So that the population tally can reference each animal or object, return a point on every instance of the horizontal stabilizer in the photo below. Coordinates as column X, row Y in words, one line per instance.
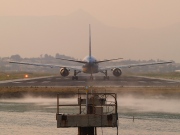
column 107, row 60
column 78, row 61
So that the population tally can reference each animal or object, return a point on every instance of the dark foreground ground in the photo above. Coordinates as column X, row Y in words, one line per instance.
column 125, row 85
column 145, row 92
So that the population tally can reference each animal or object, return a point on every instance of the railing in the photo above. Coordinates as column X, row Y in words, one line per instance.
column 93, row 101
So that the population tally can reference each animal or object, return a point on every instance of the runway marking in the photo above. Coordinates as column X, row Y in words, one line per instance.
column 58, row 78
column 62, row 78
column 16, row 82
column 171, row 82
column 142, row 81
column 156, row 82
column 32, row 82
column 80, row 81
column 46, row 81
column 123, row 81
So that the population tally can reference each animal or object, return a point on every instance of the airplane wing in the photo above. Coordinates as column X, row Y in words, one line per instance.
column 78, row 68
column 134, row 65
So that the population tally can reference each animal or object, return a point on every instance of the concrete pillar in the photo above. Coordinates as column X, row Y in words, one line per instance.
column 87, row 130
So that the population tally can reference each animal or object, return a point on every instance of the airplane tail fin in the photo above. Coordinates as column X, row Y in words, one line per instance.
column 89, row 40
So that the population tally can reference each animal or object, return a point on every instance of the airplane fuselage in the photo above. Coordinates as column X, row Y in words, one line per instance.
column 91, row 66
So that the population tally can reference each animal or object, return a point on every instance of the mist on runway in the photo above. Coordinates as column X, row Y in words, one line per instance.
column 36, row 115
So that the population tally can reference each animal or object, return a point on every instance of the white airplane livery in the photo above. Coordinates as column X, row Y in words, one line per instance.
column 90, row 65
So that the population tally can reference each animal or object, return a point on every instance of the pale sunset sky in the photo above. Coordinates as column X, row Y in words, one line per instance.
column 146, row 29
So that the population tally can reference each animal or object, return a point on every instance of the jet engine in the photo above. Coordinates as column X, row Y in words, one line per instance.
column 64, row 72
column 117, row 72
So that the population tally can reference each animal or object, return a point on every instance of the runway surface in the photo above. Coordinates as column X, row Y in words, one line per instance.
column 125, row 81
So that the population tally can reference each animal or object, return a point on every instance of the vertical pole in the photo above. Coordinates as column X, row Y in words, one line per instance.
column 57, row 103
column 91, row 90
column 86, row 101
column 79, row 130
column 116, row 112
column 116, row 108
column 116, row 104
column 80, row 105
column 57, row 106
column 86, row 130
column 133, row 118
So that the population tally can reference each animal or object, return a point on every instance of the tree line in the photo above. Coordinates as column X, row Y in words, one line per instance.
column 5, row 66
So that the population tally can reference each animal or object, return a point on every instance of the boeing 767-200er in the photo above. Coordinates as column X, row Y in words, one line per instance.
column 90, row 65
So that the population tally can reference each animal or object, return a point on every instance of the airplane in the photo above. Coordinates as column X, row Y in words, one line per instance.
column 90, row 65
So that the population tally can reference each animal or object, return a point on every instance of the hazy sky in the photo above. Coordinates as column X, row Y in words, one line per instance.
column 142, row 29
column 119, row 13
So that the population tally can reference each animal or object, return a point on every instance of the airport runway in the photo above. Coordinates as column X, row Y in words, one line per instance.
column 124, row 81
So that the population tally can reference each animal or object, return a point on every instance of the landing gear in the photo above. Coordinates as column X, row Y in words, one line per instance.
column 105, row 77
column 91, row 77
column 75, row 77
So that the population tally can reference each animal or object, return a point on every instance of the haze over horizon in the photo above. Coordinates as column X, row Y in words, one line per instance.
column 129, row 29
